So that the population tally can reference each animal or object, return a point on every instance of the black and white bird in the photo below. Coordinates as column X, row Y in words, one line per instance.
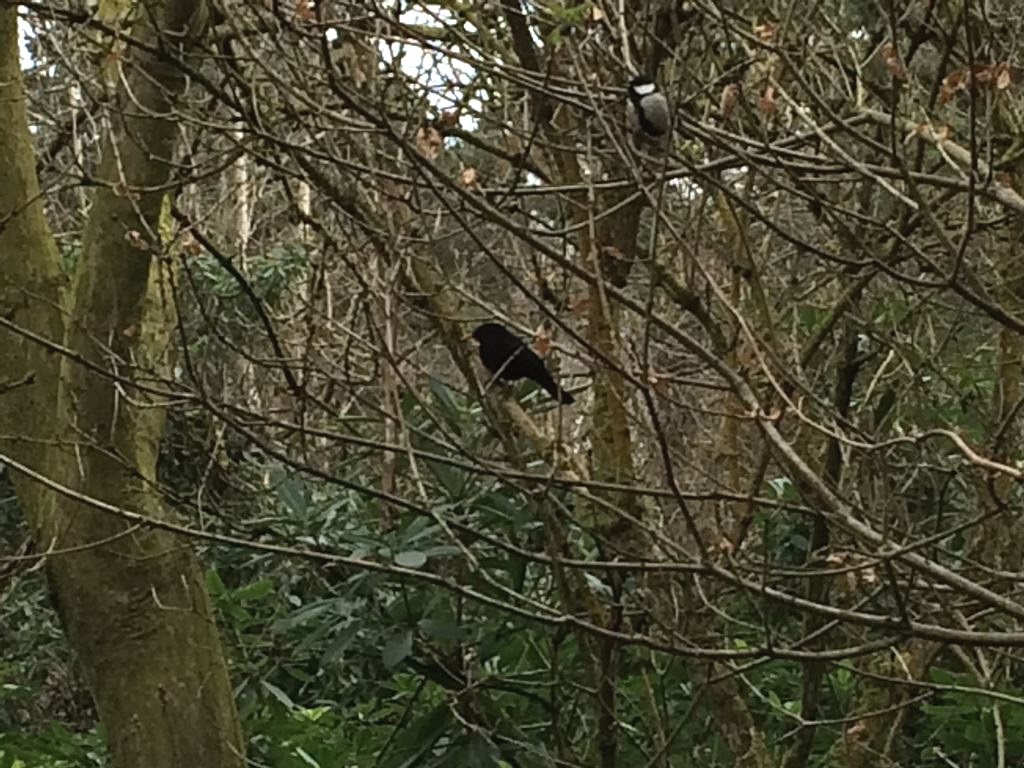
column 650, row 117
column 508, row 358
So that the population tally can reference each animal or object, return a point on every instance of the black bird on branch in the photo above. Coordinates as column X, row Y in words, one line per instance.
column 508, row 358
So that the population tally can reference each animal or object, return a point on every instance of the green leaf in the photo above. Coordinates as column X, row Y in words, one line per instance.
column 509, row 510
column 442, row 550
column 443, row 397
column 417, row 741
column 442, row 629
column 397, row 648
column 483, row 753
column 306, row 757
column 452, row 479
column 214, row 584
column 942, row 676
column 255, row 591
column 411, row 558
column 337, row 606
column 292, row 493
column 418, row 528
column 338, row 647
column 516, row 567
column 278, row 694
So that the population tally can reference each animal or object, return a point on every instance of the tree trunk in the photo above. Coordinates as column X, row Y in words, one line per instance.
column 132, row 600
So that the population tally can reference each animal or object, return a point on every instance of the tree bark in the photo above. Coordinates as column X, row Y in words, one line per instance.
column 132, row 600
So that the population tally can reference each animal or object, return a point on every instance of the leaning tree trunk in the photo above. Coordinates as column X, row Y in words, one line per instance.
column 131, row 599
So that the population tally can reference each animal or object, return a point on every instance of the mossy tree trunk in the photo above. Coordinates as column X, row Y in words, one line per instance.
column 131, row 599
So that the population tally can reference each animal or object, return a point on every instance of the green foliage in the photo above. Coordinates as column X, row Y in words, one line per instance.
column 46, row 715
column 966, row 723
column 270, row 275
column 51, row 746
column 337, row 664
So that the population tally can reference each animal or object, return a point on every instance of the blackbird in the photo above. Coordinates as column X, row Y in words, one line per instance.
column 508, row 358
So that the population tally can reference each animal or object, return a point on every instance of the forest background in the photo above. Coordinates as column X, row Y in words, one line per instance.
column 259, row 503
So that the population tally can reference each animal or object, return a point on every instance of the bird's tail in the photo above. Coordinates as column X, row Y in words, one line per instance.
column 552, row 388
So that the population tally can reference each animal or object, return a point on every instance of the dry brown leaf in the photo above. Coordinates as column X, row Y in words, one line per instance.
column 766, row 32
column 859, row 728
column 982, row 76
column 893, row 62
column 304, row 10
column 189, row 245
column 730, row 97
column 468, row 178
column 952, row 84
column 579, row 306
column 1004, row 77
column 513, row 143
column 767, row 103
column 393, row 190
column 659, row 381
column 921, row 129
column 136, row 240
column 429, row 142
column 746, row 357
column 723, row 545
column 449, row 119
column 542, row 341
column 596, row 13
